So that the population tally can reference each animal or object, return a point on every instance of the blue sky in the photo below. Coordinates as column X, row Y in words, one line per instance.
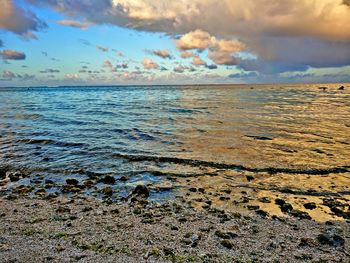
column 119, row 42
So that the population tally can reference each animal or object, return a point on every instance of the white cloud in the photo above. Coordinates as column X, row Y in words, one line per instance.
column 73, row 23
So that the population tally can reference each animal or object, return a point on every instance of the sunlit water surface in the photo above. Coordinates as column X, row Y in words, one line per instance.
column 57, row 131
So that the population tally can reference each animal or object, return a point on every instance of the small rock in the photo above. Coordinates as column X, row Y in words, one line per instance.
column 192, row 189
column 300, row 214
column 341, row 88
column 141, row 190
column 108, row 191
column 225, row 235
column 124, row 178
column 250, row 178
column 286, row 207
column 262, row 213
column 310, row 206
column 227, row 244
column 108, row 179
column 168, row 251
column 331, row 240
column 279, row 201
column 72, row 181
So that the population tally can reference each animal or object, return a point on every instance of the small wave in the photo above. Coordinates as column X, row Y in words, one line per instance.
column 191, row 162
column 50, row 142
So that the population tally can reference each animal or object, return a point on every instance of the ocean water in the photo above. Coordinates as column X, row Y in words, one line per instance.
column 143, row 132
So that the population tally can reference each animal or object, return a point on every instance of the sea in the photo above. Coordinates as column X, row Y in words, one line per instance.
column 149, row 132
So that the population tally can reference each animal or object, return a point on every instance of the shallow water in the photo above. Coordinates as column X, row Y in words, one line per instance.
column 68, row 131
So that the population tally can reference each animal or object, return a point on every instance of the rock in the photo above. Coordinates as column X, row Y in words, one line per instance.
column 192, row 189
column 310, row 206
column 286, row 207
column 300, row 214
column 107, row 191
column 264, row 200
column 124, row 178
column 331, row 240
column 253, row 207
column 168, row 251
column 262, row 213
column 141, row 190
column 72, row 181
column 108, row 179
column 14, row 177
column 279, row 201
column 227, row 244
column 341, row 88
column 89, row 183
column 250, row 178
column 2, row 173
column 225, row 235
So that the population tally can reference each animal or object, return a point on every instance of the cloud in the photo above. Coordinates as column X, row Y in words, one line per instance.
column 161, row 53
column 179, row 69
column 197, row 61
column 124, row 65
column 149, row 64
column 295, row 33
column 108, row 64
column 212, row 66
column 12, row 55
column 44, row 53
column 220, row 50
column 73, row 23
column 187, row 54
column 197, row 39
column 84, row 42
column 15, row 19
column 100, row 48
column 9, row 75
column 49, row 70
column 243, row 75
column 223, row 58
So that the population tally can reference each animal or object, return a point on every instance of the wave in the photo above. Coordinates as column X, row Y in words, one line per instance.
column 270, row 170
column 51, row 142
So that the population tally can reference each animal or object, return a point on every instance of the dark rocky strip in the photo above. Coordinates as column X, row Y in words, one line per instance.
column 270, row 170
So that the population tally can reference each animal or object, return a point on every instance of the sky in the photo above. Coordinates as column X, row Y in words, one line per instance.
column 133, row 42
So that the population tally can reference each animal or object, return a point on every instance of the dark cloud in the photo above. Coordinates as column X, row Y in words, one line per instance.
column 50, row 70
column 12, row 55
column 212, row 66
column 103, row 49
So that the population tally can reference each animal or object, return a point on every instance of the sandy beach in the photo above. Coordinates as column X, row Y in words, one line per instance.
column 71, row 227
